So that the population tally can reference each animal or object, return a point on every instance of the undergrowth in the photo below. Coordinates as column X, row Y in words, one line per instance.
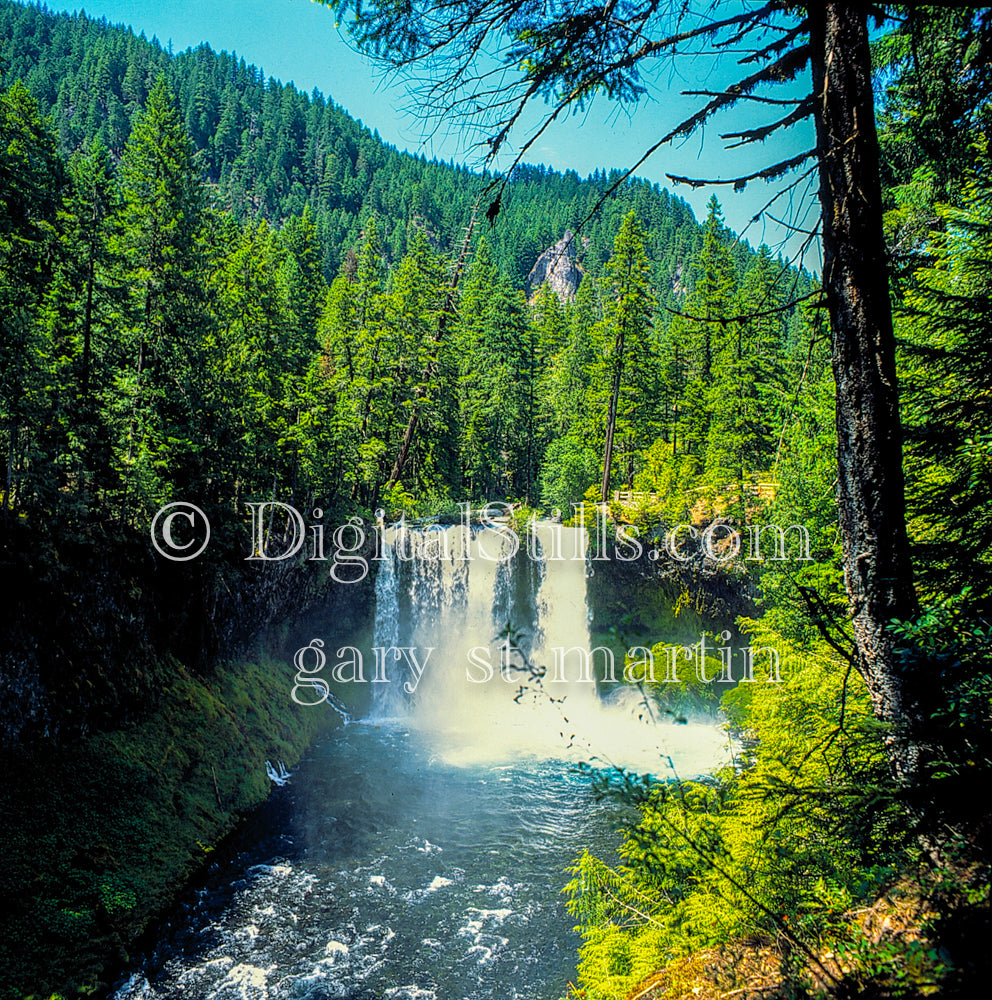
column 782, row 851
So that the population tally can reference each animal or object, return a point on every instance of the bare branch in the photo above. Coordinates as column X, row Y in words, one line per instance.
column 768, row 174
column 745, row 97
column 795, row 229
column 778, row 46
column 817, row 293
column 805, row 110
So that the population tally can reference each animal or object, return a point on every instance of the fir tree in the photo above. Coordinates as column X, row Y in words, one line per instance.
column 629, row 311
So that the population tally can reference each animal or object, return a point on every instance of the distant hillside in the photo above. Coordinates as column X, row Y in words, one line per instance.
column 270, row 150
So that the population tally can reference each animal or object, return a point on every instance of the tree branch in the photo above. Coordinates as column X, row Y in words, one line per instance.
column 768, row 174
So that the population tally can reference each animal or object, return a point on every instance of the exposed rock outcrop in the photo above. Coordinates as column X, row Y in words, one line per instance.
column 557, row 267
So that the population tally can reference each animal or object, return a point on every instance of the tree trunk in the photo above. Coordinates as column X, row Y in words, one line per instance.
column 88, row 320
column 877, row 570
column 9, row 483
column 611, row 417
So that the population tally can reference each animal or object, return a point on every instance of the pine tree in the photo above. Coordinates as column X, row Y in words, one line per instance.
column 629, row 311
column 571, row 461
column 477, row 294
column 417, row 421
column 82, row 306
column 496, row 384
column 746, row 387
column 31, row 180
column 948, row 321
column 169, row 397
column 701, row 331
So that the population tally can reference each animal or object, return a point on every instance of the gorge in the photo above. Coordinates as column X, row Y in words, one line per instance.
column 419, row 850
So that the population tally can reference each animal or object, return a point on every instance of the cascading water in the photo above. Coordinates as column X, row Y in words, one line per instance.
column 420, row 854
column 455, row 595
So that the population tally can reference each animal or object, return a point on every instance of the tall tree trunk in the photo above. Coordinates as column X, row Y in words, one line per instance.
column 611, row 417
column 88, row 320
column 9, row 482
column 877, row 570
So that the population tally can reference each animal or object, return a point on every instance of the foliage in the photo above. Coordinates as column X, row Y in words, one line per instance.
column 784, row 849
column 933, row 116
column 947, row 324
column 267, row 150
column 955, row 649
column 196, row 350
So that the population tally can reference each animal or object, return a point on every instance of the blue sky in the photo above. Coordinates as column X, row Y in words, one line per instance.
column 297, row 40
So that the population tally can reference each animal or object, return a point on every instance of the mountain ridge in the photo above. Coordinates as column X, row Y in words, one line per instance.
column 270, row 149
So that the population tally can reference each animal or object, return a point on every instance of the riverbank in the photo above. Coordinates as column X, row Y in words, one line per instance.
column 101, row 834
column 139, row 701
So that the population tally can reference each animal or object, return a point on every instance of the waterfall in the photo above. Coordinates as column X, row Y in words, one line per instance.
column 448, row 595
column 387, row 605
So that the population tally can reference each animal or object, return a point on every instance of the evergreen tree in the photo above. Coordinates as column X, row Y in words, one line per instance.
column 698, row 334
column 746, row 386
column 629, row 309
column 31, row 179
column 354, row 339
column 949, row 395
column 255, row 363
column 169, row 405
column 497, row 384
column 419, row 416
column 83, row 304
column 572, row 456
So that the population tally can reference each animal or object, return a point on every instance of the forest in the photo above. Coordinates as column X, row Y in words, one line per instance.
column 335, row 374
column 217, row 289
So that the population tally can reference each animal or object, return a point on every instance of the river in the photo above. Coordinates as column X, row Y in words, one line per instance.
column 420, row 852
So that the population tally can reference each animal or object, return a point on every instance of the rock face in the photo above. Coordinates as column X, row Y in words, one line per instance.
column 557, row 267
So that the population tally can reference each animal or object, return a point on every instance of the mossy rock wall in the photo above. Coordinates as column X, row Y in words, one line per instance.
column 92, row 626
column 101, row 834
column 658, row 603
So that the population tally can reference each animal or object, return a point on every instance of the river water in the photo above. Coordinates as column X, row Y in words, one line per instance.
column 420, row 852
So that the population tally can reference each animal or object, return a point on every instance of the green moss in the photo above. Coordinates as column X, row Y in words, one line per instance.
column 101, row 833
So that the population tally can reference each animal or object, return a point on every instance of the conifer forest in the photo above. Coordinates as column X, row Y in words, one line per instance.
column 748, row 486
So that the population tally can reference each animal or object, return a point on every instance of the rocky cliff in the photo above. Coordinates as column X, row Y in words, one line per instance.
column 557, row 267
